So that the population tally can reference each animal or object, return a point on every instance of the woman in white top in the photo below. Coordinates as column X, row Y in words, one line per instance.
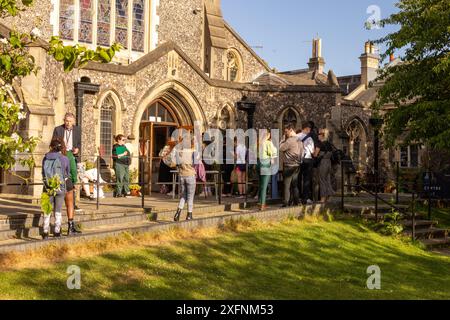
column 241, row 166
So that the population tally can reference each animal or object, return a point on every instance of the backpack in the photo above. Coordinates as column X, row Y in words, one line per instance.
column 51, row 168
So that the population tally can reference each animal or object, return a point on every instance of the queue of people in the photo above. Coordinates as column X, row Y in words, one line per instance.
column 306, row 158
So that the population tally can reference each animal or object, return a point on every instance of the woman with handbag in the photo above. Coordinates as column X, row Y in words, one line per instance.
column 324, row 152
column 184, row 154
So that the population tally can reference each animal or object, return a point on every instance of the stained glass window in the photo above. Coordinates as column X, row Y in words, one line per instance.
column 138, row 25
column 66, row 19
column 122, row 22
column 104, row 22
column 85, row 32
column 106, row 129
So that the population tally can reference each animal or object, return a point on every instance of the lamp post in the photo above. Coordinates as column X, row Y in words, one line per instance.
column 376, row 124
column 249, row 108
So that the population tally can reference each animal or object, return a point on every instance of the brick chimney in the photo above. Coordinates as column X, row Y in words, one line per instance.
column 370, row 63
column 317, row 62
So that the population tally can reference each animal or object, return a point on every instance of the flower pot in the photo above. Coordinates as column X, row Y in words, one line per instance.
column 135, row 193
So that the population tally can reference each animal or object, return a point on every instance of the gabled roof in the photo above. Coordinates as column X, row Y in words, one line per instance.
column 242, row 41
column 271, row 79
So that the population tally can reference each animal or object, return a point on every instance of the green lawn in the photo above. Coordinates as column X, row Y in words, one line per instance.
column 289, row 260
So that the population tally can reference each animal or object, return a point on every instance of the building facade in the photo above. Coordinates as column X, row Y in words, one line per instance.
column 181, row 63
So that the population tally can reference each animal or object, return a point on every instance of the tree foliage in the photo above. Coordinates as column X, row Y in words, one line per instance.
column 16, row 63
column 420, row 85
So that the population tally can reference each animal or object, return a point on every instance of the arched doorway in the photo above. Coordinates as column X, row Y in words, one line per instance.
column 158, row 123
column 164, row 107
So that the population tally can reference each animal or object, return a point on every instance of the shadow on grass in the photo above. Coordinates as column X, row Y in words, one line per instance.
column 291, row 261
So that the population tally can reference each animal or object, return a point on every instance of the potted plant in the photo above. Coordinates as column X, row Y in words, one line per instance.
column 389, row 187
column 135, row 190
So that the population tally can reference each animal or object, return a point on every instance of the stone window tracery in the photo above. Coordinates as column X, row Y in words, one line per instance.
column 102, row 22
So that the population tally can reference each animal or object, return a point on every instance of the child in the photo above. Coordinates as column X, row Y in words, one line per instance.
column 55, row 163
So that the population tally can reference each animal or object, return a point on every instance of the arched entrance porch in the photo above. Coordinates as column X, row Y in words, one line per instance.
column 161, row 111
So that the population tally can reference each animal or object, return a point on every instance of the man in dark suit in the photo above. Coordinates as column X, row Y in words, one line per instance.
column 71, row 135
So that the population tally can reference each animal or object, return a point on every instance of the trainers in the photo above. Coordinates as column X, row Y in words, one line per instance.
column 77, row 209
column 309, row 202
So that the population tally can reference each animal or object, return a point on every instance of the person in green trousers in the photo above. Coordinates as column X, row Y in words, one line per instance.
column 267, row 154
column 121, row 161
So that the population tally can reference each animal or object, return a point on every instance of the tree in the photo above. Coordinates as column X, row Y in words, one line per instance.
column 420, row 85
column 15, row 63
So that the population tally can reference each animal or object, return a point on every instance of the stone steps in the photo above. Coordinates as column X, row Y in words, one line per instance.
column 440, row 242
column 431, row 233
column 164, row 223
column 35, row 231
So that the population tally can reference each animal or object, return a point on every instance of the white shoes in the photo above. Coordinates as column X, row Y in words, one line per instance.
column 309, row 202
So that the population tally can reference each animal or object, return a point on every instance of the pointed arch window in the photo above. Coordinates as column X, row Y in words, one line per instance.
column 290, row 118
column 358, row 141
column 107, row 128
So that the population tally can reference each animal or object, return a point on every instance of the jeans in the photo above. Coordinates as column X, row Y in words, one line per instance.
column 57, row 203
column 122, row 178
column 290, row 179
column 307, row 175
column 188, row 185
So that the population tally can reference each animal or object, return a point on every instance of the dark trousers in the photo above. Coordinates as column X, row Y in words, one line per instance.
column 227, row 170
column 290, row 181
column 307, row 175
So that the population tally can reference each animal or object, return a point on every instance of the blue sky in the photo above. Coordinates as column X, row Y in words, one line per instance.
column 285, row 29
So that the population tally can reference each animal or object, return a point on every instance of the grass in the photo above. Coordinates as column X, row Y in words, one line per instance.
column 244, row 260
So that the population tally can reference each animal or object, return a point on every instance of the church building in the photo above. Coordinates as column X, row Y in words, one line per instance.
column 181, row 62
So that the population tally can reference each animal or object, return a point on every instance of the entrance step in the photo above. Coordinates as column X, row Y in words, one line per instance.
column 164, row 223
column 431, row 233
column 439, row 242
column 34, row 231
column 421, row 224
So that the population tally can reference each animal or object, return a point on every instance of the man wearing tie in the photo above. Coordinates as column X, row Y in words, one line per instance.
column 71, row 135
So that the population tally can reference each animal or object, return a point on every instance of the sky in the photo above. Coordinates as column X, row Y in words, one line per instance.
column 285, row 29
